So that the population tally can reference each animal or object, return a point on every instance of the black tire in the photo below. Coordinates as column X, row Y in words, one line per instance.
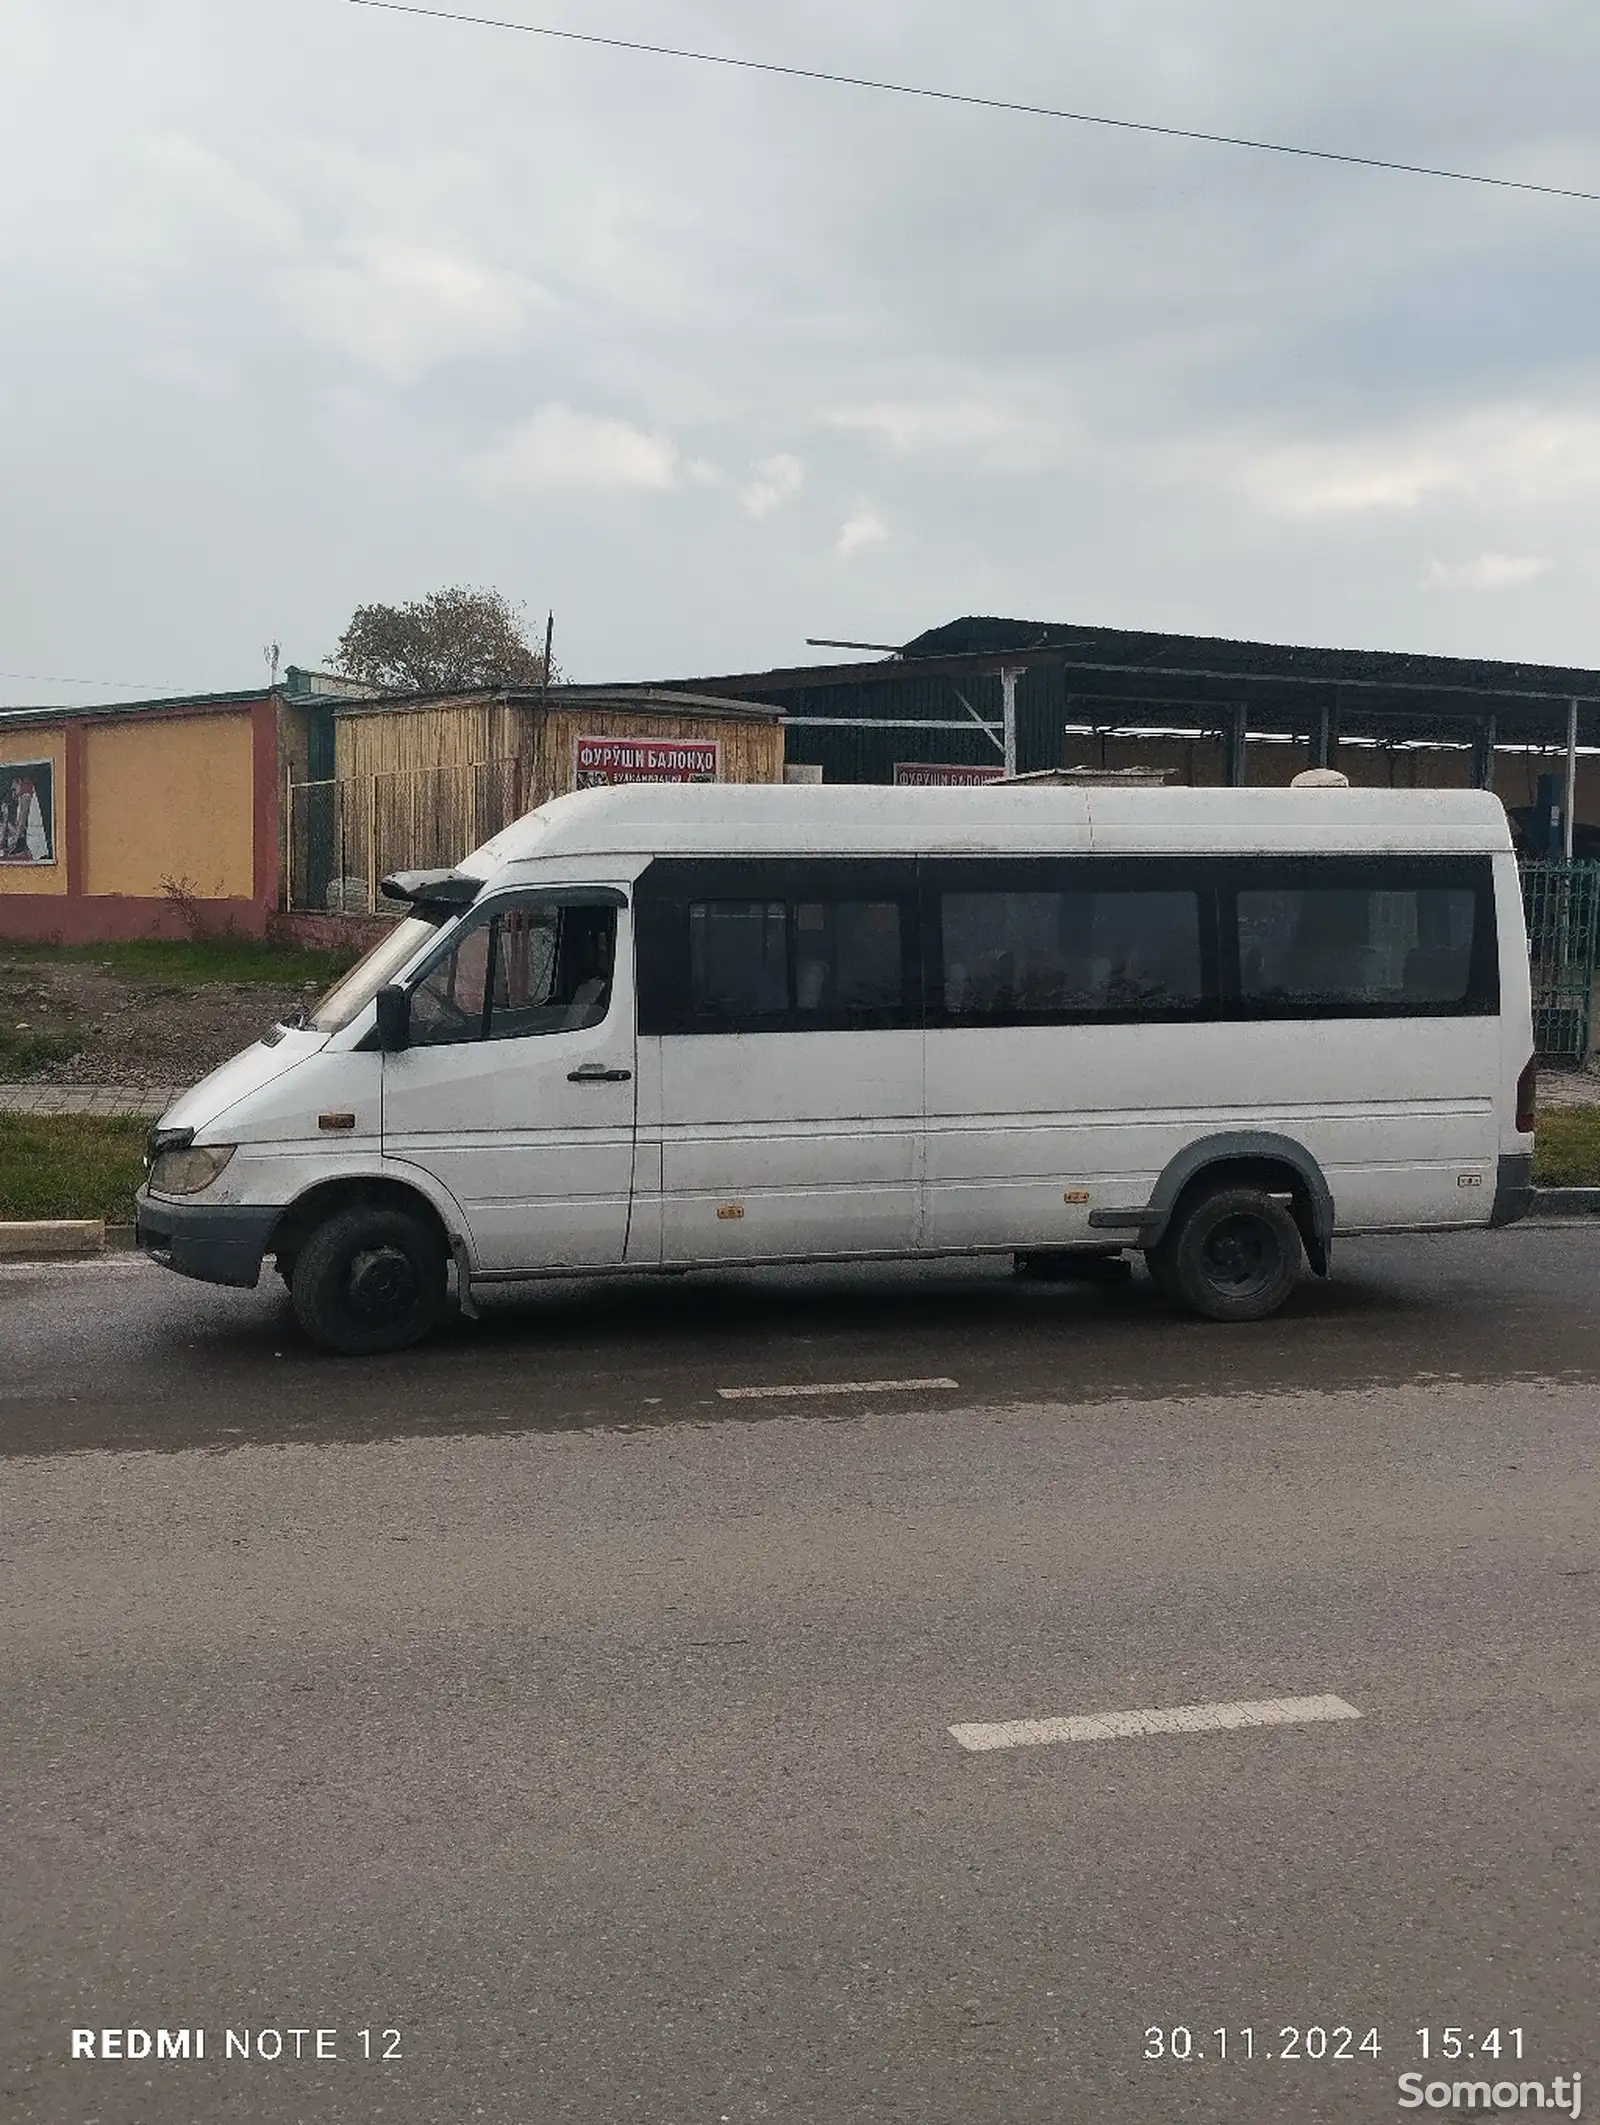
column 371, row 1278
column 1232, row 1255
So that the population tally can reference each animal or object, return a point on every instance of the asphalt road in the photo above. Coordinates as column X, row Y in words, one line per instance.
column 528, row 1697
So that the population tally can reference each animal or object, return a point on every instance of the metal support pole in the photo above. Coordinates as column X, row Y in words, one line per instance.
column 1569, row 806
column 1483, row 761
column 1233, row 750
column 1321, row 737
column 1008, row 693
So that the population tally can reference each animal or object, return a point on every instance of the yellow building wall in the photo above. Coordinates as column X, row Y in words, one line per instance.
column 171, row 801
column 48, row 745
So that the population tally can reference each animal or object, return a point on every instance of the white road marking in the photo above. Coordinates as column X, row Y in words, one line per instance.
column 832, row 1387
column 1180, row 1719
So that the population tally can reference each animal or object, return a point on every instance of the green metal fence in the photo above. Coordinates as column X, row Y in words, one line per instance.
column 1562, row 901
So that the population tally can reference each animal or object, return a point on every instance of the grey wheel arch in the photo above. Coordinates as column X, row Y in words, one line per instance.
column 1232, row 1148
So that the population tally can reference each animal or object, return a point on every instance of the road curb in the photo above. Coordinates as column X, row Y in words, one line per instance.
column 52, row 1239
column 1566, row 1202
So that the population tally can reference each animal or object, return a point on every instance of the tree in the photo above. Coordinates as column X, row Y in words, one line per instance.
column 458, row 637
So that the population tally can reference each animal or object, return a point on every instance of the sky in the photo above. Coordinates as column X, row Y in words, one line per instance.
column 305, row 305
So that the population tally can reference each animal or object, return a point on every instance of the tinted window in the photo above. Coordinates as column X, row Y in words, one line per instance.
column 1315, row 948
column 770, row 959
column 730, row 943
column 1070, row 954
column 739, row 957
column 529, row 967
column 847, row 956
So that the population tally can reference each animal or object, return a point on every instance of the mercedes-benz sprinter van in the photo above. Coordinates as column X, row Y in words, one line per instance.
column 680, row 1027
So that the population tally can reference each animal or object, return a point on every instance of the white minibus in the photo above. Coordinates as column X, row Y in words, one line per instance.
column 670, row 1028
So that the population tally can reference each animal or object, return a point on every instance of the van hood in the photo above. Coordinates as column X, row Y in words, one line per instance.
column 204, row 1105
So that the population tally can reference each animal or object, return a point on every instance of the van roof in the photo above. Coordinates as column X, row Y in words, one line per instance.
column 771, row 819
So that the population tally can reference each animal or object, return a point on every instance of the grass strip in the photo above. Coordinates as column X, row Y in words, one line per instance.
column 186, row 962
column 22, row 1051
column 71, row 1165
column 1566, row 1148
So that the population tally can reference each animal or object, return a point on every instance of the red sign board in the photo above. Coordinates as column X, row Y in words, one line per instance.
column 939, row 774
column 602, row 763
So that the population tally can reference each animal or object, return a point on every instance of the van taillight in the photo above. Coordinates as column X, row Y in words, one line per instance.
column 1528, row 1097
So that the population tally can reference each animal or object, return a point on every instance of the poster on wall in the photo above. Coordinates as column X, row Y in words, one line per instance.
column 603, row 763
column 27, row 811
column 941, row 774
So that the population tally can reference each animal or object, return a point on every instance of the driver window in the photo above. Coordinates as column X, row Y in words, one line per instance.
column 447, row 1004
column 530, row 967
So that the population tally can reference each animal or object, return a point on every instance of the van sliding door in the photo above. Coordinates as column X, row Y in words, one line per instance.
column 785, row 1089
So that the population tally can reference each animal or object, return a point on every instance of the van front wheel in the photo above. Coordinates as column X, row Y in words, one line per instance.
column 1233, row 1255
column 371, row 1278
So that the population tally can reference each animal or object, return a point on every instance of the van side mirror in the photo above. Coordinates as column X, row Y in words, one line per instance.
column 394, row 1019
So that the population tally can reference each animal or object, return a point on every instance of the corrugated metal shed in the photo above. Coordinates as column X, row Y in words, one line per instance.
column 843, row 716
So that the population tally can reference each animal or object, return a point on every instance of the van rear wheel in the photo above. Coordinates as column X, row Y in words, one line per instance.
column 1232, row 1255
column 369, row 1279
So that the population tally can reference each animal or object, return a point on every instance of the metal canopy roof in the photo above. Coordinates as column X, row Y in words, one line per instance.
column 1111, row 677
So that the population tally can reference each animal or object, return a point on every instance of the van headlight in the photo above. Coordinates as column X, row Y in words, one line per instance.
column 187, row 1171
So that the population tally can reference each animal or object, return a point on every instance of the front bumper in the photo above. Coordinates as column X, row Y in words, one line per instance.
column 219, row 1243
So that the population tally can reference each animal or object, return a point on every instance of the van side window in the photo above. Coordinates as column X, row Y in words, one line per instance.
column 1311, row 949
column 527, row 967
column 1051, row 955
column 739, row 957
column 753, row 962
column 847, row 956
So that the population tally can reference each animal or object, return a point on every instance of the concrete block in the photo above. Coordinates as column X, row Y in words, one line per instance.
column 1566, row 1202
column 45, row 1239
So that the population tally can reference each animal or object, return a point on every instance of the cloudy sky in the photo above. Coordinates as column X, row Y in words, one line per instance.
column 303, row 305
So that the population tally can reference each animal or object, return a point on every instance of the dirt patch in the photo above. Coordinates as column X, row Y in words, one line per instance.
column 69, row 1023
column 1570, row 1088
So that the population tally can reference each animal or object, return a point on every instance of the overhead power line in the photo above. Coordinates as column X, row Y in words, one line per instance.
column 45, row 678
column 982, row 103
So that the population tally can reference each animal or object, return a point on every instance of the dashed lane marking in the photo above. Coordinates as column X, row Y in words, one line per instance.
column 1180, row 1719
column 832, row 1387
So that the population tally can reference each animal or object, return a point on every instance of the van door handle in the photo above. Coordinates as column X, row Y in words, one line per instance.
column 597, row 1074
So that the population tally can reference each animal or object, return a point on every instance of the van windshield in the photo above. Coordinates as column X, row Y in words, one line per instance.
column 352, row 992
